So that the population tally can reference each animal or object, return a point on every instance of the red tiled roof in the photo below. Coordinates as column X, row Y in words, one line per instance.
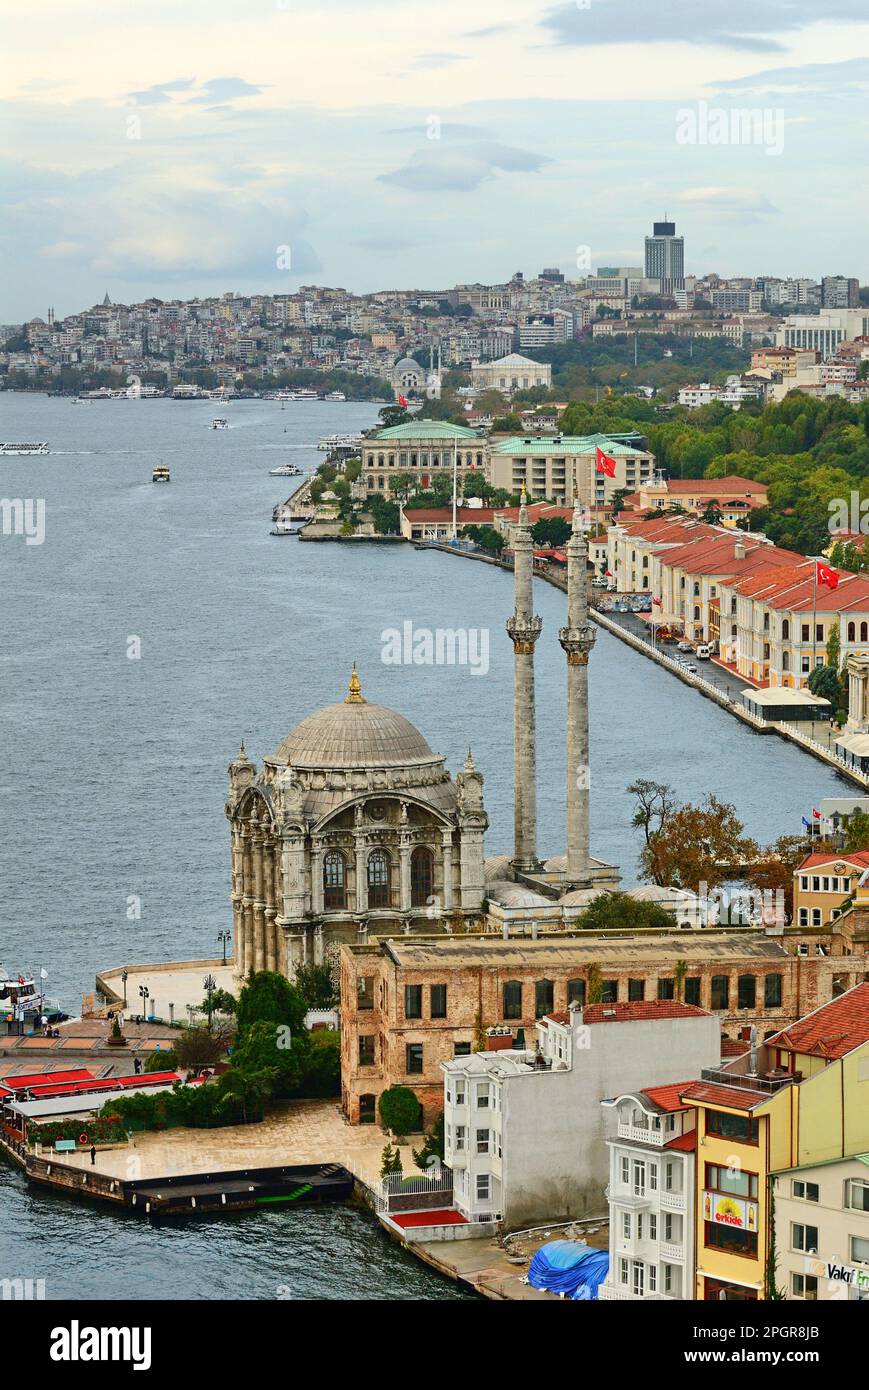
column 732, row 483
column 859, row 858
column 733, row 1047
column 687, row 1143
column 833, row 1030
column 639, row 1011
column 667, row 1097
column 731, row 1097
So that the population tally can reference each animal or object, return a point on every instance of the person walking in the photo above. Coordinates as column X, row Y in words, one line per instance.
column 93, row 1155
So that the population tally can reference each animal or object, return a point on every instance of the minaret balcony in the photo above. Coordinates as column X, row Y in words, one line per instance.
column 524, row 632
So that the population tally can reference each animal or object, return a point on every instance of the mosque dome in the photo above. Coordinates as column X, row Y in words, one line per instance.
column 355, row 734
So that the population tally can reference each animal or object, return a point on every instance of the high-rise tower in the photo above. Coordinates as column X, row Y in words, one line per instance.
column 665, row 257
column 524, row 629
column 577, row 639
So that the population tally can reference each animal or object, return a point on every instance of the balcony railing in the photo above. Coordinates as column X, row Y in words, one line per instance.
column 766, row 1085
column 673, row 1201
column 616, row 1293
column 642, row 1134
column 672, row 1252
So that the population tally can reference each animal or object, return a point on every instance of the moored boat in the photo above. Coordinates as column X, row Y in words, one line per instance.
column 24, row 450
column 160, row 474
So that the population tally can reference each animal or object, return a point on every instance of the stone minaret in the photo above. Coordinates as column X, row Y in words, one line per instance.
column 577, row 639
column 524, row 629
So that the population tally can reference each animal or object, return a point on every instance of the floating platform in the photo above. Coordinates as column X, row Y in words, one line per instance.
column 244, row 1189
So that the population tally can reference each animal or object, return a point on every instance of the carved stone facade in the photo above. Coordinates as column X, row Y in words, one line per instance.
column 353, row 828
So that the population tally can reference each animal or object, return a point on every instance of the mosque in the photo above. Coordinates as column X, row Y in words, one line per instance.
column 354, row 828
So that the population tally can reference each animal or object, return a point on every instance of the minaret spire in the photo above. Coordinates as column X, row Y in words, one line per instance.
column 524, row 629
column 577, row 639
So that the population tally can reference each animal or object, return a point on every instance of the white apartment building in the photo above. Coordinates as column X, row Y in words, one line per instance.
column 560, row 467
column 511, row 373
column 822, row 332
column 525, row 1133
column 651, row 1196
column 822, row 1230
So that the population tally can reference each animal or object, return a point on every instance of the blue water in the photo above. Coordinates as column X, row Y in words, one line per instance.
column 114, row 775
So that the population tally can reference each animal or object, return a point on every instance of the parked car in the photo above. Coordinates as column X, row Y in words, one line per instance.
column 703, row 652
column 690, row 668
column 599, row 583
column 683, row 646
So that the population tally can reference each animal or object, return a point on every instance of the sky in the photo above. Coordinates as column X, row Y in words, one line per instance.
column 181, row 149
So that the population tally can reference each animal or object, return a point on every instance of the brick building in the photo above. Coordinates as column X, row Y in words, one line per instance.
column 408, row 1005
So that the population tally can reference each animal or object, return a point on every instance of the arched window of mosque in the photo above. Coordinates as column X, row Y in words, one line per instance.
column 786, row 661
column 421, row 876
column 379, row 460
column 852, row 632
column 378, row 878
column 334, row 881
column 864, row 632
column 785, row 630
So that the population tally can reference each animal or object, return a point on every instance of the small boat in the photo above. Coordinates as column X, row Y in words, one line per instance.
column 286, row 470
column 218, row 423
column 332, row 443
column 160, row 474
column 334, row 396
column 21, row 1001
column 284, row 528
column 24, row 450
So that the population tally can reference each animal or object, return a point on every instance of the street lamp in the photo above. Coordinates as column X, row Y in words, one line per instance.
column 224, row 937
column 209, row 984
column 125, row 975
column 144, row 995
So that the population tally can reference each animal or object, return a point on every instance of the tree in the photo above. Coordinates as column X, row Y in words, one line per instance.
column 680, row 970
column 552, row 533
column 611, row 910
column 251, row 1089
column 318, row 984
column 856, row 832
column 322, row 1075
column 656, row 801
column 824, row 682
column 834, row 647
column 697, row 845
column 400, row 1110
column 593, row 984
column 219, row 1001
column 276, row 1049
column 773, row 870
column 390, row 1160
column 269, row 997
column 392, row 415
column 433, row 1146
column 197, row 1048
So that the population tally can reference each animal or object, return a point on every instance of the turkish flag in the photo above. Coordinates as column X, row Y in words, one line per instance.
column 402, row 401
column 825, row 575
column 657, row 603
column 604, row 464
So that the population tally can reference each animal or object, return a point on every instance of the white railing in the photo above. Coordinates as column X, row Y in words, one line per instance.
column 673, row 1201
column 672, row 1252
column 614, row 1293
column 395, row 1186
column 642, row 1134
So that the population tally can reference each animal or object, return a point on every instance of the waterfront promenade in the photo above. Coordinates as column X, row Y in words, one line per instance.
column 293, row 1133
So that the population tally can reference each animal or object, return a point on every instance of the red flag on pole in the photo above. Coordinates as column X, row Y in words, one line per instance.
column 657, row 603
column 827, row 576
column 402, row 400
column 603, row 463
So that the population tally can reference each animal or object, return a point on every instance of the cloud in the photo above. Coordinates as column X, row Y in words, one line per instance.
column 461, row 169
column 161, row 92
column 224, row 89
column 809, row 79
column 490, row 32
column 749, row 25
column 426, row 61
column 447, row 130
column 744, row 203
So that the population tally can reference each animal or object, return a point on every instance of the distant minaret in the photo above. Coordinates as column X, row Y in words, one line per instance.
column 524, row 630
column 577, row 639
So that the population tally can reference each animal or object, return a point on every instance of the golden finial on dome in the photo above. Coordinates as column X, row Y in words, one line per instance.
column 354, row 695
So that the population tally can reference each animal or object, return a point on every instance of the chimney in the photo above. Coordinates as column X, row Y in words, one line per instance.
column 739, row 551
column 505, row 929
column 533, row 931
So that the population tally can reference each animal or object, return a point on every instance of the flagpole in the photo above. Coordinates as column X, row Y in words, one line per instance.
column 814, row 609
column 455, row 480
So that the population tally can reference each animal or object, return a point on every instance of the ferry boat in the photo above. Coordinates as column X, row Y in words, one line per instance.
column 286, row 470
column 300, row 393
column 160, row 474
column 218, row 423
column 21, row 1000
column 285, row 528
column 24, row 450
column 334, row 396
column 331, row 442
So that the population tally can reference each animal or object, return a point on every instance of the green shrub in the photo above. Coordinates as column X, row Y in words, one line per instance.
column 399, row 1110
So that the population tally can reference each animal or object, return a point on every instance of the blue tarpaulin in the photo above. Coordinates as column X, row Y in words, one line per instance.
column 566, row 1267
